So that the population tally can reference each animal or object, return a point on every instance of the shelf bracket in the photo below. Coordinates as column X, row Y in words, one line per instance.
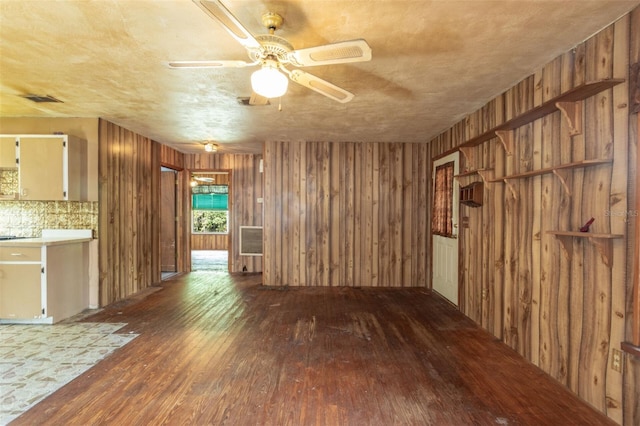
column 572, row 112
column 467, row 151
column 563, row 176
column 512, row 188
column 486, row 175
column 506, row 138
column 566, row 243
column 605, row 248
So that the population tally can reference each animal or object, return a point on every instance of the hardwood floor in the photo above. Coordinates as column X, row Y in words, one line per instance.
column 221, row 349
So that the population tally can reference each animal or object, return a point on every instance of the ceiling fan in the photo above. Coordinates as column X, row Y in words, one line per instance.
column 272, row 53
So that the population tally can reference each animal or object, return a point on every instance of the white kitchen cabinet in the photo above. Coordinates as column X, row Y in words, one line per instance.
column 20, row 283
column 51, row 167
column 44, row 280
column 7, row 152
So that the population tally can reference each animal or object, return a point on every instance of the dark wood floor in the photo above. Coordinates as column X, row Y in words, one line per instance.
column 219, row 349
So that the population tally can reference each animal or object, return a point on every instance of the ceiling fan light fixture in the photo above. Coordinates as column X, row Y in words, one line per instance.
column 209, row 147
column 268, row 81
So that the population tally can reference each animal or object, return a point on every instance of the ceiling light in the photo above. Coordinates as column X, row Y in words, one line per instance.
column 209, row 147
column 268, row 81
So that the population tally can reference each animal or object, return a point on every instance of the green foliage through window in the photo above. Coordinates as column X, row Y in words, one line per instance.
column 208, row 221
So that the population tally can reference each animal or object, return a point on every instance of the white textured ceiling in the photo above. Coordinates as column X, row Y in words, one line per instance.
column 433, row 63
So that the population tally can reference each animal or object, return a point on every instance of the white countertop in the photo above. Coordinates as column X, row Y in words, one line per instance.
column 51, row 237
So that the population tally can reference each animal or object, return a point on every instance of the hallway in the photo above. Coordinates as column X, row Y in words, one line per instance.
column 215, row 348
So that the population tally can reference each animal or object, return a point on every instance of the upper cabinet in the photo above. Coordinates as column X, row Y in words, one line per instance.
column 7, row 152
column 51, row 167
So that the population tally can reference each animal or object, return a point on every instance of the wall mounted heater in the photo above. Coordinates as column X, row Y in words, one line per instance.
column 251, row 241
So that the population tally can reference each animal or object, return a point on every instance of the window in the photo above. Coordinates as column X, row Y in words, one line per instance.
column 209, row 209
column 442, row 218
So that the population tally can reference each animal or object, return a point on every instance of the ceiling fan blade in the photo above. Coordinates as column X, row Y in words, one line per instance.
column 336, row 53
column 217, row 10
column 321, row 86
column 209, row 64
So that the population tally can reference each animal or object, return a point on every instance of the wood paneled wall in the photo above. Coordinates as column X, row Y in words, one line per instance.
column 129, row 169
column 129, row 189
column 560, row 302
column 346, row 214
column 209, row 242
column 245, row 189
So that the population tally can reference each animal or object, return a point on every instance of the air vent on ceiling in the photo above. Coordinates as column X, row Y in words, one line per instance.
column 257, row 101
column 41, row 98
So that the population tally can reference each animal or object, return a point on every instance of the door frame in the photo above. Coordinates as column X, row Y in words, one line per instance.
column 231, row 222
column 176, row 195
column 182, row 240
column 437, row 161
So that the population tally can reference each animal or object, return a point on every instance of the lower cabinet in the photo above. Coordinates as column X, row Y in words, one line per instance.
column 20, row 291
column 44, row 284
column 21, row 283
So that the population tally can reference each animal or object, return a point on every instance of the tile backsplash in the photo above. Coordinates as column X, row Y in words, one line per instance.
column 8, row 182
column 29, row 218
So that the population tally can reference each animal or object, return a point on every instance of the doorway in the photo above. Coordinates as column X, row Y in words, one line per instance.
column 168, row 222
column 445, row 227
column 210, row 220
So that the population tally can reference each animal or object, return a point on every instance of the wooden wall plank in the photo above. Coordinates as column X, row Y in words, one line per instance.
column 406, row 215
column 618, row 223
column 597, row 183
column 283, row 201
column 375, row 216
column 336, row 197
column 367, row 235
column 269, row 230
column 631, row 367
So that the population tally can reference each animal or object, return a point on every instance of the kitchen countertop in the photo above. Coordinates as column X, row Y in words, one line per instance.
column 43, row 241
column 52, row 237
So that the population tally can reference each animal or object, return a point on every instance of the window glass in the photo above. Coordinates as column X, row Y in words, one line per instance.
column 442, row 218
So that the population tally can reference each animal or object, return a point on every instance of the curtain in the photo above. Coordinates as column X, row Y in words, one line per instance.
column 210, row 202
column 442, row 223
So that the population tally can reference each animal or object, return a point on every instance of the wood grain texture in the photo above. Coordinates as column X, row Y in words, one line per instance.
column 355, row 217
column 222, row 349
column 129, row 197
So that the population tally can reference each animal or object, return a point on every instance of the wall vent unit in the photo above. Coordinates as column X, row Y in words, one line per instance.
column 471, row 195
column 251, row 241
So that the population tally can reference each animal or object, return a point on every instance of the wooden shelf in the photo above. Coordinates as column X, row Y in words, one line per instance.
column 559, row 171
column 467, row 173
column 585, row 235
column 603, row 243
column 569, row 103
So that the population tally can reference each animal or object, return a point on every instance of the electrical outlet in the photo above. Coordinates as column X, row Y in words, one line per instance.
column 616, row 360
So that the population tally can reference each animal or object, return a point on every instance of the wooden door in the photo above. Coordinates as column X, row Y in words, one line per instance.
column 168, row 220
column 445, row 249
